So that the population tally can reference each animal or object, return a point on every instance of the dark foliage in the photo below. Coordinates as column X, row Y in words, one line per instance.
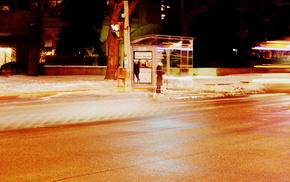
column 16, row 5
column 81, row 27
column 14, row 68
column 228, row 25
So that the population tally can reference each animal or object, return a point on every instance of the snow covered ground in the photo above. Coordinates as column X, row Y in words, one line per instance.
column 197, row 85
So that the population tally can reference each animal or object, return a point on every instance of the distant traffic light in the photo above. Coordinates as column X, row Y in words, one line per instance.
column 116, row 30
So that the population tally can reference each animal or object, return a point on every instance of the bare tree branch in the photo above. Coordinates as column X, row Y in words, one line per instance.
column 132, row 6
column 199, row 10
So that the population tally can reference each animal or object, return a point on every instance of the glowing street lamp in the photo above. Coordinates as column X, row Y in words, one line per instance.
column 116, row 30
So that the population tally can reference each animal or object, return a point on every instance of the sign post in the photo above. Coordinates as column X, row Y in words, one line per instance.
column 127, row 60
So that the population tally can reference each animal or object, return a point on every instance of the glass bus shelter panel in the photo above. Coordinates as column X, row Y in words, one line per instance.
column 177, row 58
column 164, row 41
column 173, row 51
column 143, row 63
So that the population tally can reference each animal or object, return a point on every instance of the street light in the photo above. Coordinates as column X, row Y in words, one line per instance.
column 116, row 30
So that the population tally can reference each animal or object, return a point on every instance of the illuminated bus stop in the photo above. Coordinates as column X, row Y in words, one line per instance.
column 175, row 52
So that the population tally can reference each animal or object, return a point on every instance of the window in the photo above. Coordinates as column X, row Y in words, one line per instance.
column 54, row 3
column 4, row 8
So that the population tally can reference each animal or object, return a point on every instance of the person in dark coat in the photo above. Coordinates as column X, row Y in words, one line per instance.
column 159, row 79
column 137, row 69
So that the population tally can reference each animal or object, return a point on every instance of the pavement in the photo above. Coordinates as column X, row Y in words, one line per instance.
column 251, row 148
column 228, row 140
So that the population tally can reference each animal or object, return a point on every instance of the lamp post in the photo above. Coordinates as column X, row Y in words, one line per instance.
column 127, row 60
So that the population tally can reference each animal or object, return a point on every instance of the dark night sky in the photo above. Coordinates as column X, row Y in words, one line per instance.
column 234, row 24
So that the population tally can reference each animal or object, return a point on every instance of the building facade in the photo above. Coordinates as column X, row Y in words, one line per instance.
column 15, row 17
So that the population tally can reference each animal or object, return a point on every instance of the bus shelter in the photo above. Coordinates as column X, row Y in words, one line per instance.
column 175, row 52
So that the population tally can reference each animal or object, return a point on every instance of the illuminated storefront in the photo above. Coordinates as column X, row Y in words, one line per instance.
column 5, row 55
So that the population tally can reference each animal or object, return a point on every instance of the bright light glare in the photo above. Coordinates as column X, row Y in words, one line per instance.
column 183, row 78
column 5, row 55
column 272, row 66
column 278, row 45
column 161, row 49
column 271, row 48
column 115, row 27
column 48, row 53
column 272, row 80
column 5, row 50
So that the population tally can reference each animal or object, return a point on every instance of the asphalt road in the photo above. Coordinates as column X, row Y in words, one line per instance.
column 225, row 139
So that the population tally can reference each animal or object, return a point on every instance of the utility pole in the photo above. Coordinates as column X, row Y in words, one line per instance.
column 127, row 44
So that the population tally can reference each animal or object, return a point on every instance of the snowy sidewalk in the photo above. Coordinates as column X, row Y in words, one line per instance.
column 234, row 84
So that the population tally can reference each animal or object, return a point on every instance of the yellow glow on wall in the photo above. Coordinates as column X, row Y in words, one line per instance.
column 5, row 55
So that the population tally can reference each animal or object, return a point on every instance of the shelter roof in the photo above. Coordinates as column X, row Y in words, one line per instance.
column 163, row 40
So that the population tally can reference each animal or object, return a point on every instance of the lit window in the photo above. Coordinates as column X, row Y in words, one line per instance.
column 4, row 8
column 5, row 55
column 54, row 3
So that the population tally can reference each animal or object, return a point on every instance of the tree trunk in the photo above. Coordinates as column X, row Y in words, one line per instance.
column 34, row 47
column 113, row 44
column 35, row 37
column 185, row 25
column 113, row 57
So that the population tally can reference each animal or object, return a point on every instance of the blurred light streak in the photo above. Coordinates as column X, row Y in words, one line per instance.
column 272, row 66
column 272, row 80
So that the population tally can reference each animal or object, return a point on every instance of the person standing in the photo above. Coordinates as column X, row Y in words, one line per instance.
column 137, row 69
column 159, row 79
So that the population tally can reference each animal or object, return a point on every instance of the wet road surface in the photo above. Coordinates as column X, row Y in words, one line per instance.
column 225, row 139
